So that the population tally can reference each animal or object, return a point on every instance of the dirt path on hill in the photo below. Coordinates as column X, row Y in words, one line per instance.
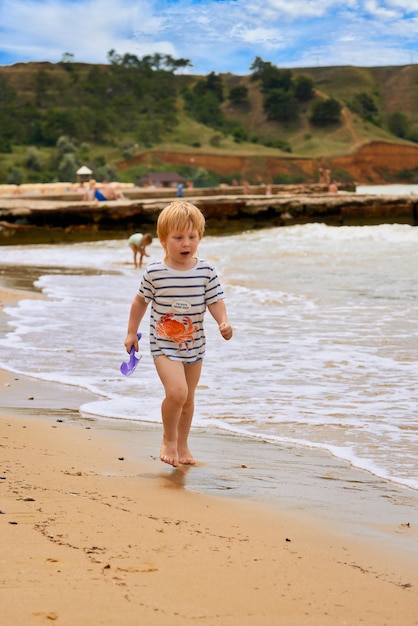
column 346, row 123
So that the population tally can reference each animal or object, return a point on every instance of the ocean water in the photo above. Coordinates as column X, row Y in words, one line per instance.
column 395, row 189
column 325, row 346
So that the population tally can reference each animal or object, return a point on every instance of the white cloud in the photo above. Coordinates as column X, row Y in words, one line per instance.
column 379, row 11
column 405, row 6
column 44, row 30
column 266, row 36
column 296, row 9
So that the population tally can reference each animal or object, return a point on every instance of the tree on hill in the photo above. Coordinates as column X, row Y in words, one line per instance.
column 204, row 107
column 212, row 83
column 398, row 124
column 281, row 105
column 203, row 101
column 238, row 94
column 304, row 88
column 282, row 93
column 364, row 105
column 325, row 112
column 270, row 76
column 153, row 62
column 33, row 159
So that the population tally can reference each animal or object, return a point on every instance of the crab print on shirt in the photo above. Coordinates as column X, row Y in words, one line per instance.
column 179, row 332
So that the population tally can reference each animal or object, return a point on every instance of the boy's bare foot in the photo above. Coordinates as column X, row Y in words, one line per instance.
column 168, row 454
column 186, row 457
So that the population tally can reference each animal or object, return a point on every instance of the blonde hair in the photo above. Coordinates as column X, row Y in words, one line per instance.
column 179, row 215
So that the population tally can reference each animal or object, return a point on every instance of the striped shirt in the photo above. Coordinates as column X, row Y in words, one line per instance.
column 178, row 304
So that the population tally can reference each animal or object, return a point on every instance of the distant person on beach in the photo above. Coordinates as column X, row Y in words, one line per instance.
column 93, row 193
column 180, row 288
column 246, row 187
column 324, row 176
column 138, row 243
column 110, row 192
column 90, row 193
column 333, row 187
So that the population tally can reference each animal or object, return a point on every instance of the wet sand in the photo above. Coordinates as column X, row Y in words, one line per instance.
column 96, row 530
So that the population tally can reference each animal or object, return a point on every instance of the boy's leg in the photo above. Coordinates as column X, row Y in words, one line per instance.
column 134, row 253
column 192, row 373
column 172, row 376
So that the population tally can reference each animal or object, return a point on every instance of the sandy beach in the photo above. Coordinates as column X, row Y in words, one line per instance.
column 95, row 530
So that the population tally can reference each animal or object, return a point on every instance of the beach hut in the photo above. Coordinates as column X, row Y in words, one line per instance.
column 83, row 174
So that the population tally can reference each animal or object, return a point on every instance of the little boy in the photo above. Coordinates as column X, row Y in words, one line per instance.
column 137, row 243
column 180, row 288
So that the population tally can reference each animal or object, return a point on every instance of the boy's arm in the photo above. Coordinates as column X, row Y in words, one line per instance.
column 218, row 311
column 137, row 312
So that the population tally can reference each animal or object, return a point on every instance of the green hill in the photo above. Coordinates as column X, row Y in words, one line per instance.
column 55, row 117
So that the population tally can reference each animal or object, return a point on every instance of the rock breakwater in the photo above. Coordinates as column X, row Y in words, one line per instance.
column 27, row 218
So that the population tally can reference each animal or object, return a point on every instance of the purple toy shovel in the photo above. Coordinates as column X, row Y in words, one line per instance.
column 128, row 368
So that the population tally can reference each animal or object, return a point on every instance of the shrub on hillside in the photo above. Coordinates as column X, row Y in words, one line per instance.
column 325, row 112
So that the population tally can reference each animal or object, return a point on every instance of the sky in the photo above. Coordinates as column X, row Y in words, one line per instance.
column 214, row 35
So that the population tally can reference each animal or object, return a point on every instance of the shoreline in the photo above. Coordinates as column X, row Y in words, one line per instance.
column 282, row 478
column 96, row 530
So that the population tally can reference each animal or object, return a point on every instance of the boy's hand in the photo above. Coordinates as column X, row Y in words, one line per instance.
column 131, row 340
column 226, row 330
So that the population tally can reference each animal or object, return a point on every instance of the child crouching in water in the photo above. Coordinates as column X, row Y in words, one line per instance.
column 180, row 288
